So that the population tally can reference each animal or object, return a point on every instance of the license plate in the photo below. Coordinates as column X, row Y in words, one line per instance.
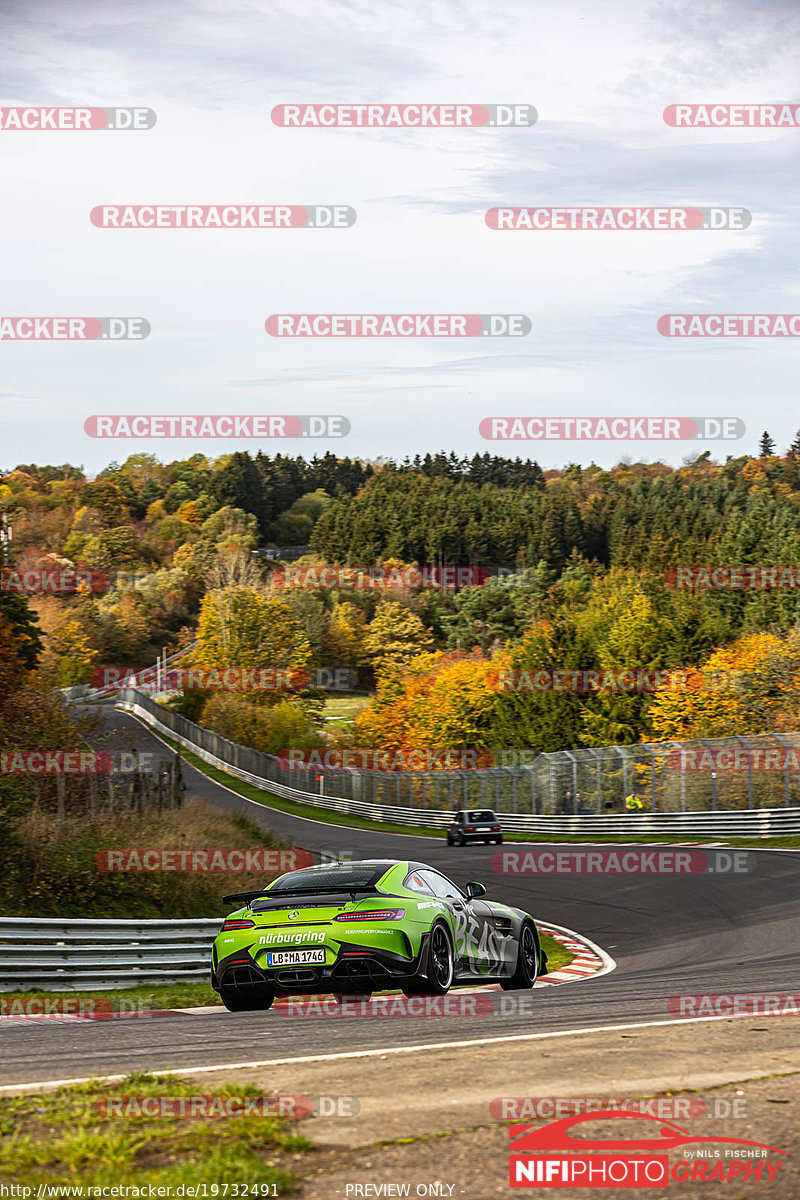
column 484, row 829
column 294, row 958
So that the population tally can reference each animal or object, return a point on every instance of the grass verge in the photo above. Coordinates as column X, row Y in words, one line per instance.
column 66, row 1137
column 52, row 873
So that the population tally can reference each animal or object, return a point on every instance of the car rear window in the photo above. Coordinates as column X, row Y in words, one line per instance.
column 481, row 816
column 320, row 879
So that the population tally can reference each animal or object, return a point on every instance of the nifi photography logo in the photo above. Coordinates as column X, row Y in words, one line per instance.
column 554, row 1156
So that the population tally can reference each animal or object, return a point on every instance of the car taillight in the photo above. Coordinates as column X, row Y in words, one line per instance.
column 382, row 914
column 495, row 829
column 469, row 829
column 238, row 923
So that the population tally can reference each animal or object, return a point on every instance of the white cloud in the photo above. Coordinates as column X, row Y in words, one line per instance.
column 599, row 76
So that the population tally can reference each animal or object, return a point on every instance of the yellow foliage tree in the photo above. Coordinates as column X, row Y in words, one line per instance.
column 241, row 627
column 436, row 701
column 344, row 637
column 715, row 699
column 190, row 513
column 68, row 655
column 395, row 636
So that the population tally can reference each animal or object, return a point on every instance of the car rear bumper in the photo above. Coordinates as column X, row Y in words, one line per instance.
column 355, row 971
column 477, row 837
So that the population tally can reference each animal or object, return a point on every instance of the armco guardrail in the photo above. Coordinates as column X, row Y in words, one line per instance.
column 150, row 676
column 743, row 823
column 80, row 955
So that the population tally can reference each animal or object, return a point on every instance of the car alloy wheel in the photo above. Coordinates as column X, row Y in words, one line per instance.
column 440, row 961
column 527, row 962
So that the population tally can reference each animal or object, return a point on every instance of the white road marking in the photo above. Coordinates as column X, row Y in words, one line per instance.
column 383, row 1051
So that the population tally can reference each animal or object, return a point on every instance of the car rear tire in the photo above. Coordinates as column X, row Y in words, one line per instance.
column 246, row 999
column 450, row 839
column 441, row 966
column 499, row 840
column 527, row 968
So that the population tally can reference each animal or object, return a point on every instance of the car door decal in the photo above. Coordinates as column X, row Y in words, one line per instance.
column 478, row 946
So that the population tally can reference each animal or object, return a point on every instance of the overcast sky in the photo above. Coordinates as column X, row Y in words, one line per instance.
column 599, row 77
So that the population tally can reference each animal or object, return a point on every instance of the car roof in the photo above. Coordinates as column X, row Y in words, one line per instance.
column 387, row 863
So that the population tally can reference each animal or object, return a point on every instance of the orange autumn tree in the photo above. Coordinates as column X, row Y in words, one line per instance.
column 437, row 701
column 750, row 686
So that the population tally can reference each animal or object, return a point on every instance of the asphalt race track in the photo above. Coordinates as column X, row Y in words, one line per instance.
column 669, row 935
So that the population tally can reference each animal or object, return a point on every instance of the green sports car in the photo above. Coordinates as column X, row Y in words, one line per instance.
column 360, row 927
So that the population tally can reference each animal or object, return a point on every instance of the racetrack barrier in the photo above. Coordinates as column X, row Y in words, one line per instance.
column 65, row 955
column 55, row 954
column 462, row 788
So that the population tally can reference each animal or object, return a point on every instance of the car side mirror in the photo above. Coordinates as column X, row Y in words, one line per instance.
column 475, row 889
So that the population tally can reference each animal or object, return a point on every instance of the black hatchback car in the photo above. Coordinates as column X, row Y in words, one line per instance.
column 474, row 825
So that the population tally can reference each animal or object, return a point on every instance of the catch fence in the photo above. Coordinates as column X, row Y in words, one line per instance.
column 703, row 776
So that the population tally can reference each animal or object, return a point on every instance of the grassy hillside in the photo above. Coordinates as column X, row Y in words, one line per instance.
column 52, row 877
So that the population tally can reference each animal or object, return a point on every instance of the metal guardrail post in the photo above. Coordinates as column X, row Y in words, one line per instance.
column 749, row 775
column 786, row 746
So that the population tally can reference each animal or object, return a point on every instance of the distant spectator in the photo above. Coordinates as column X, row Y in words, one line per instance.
column 568, row 804
column 633, row 803
column 580, row 807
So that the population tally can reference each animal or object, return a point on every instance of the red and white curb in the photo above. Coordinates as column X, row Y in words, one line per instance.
column 590, row 960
